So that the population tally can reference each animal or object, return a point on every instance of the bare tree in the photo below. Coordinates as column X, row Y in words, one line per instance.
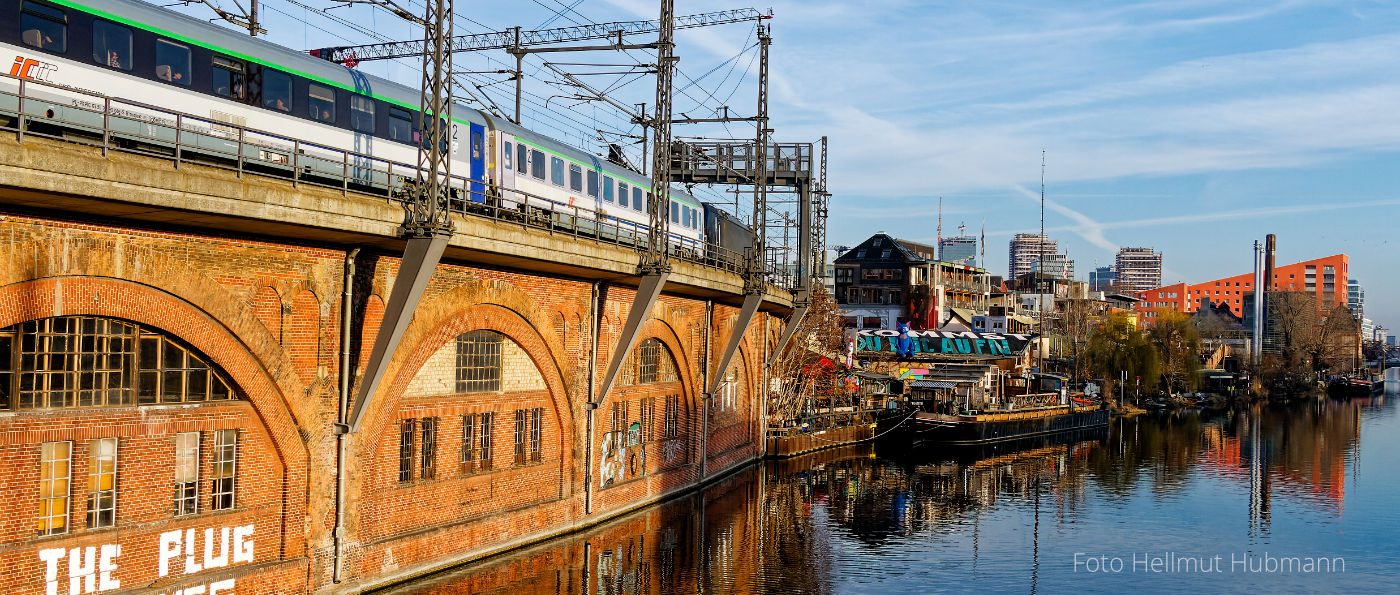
column 809, row 369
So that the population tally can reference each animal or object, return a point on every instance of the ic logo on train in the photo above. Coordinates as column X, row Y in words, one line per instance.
column 32, row 69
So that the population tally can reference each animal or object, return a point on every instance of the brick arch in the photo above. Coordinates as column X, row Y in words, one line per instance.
column 267, row 306
column 117, row 298
column 666, row 334
column 489, row 305
column 73, row 260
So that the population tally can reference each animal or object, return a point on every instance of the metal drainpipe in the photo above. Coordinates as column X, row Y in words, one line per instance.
column 346, row 375
column 589, row 406
column 704, row 391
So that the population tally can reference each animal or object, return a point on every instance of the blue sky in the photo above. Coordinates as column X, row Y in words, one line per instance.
column 1193, row 127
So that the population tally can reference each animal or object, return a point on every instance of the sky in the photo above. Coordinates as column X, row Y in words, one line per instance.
column 1193, row 127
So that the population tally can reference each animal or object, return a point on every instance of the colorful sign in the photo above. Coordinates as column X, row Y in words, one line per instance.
column 950, row 343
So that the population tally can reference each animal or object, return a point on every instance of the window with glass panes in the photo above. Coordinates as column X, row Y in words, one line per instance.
column 406, row 437
column 479, row 361
column 224, row 474
column 186, row 473
column 102, row 483
column 536, row 429
column 427, row 467
column 519, row 436
column 82, row 361
column 55, row 468
column 485, row 427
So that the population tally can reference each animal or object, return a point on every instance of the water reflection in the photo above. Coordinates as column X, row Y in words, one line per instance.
column 1004, row 516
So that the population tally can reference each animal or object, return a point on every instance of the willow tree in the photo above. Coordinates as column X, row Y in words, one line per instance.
column 1117, row 346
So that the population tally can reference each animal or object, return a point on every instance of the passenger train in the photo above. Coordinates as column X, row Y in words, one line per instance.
column 229, row 84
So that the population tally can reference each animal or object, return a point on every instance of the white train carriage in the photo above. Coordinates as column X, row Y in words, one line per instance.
column 156, row 79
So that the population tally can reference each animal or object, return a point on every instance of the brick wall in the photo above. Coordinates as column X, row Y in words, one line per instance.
column 268, row 315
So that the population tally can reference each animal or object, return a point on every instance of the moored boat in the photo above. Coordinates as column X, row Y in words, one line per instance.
column 979, row 427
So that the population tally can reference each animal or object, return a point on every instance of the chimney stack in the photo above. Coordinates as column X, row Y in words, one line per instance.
column 1269, row 262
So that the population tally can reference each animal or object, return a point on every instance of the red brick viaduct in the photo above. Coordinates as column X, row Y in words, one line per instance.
column 480, row 439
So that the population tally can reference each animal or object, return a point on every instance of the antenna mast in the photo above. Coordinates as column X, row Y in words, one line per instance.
column 1040, row 272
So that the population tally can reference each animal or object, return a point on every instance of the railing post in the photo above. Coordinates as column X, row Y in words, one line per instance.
column 389, row 182
column 344, row 172
column 296, row 162
column 106, row 123
column 20, row 129
column 241, row 132
column 179, row 129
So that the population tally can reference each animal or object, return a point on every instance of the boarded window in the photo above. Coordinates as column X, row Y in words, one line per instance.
column 186, row 473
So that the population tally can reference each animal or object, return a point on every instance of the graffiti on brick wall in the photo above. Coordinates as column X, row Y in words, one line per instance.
column 92, row 569
column 672, row 452
column 611, row 465
column 621, row 456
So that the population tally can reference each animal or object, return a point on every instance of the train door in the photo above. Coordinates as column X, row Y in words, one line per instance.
column 478, row 161
column 507, row 162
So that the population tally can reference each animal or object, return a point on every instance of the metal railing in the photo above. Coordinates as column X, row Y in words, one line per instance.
column 35, row 108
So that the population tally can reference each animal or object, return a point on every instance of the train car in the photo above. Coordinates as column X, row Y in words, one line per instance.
column 728, row 238
column 266, row 107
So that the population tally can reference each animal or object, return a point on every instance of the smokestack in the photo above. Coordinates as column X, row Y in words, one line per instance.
column 1269, row 262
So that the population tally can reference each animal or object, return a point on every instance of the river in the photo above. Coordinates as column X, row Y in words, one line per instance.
column 1288, row 499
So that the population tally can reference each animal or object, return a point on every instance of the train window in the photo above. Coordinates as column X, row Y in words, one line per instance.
column 111, row 44
column 556, row 171
column 506, row 155
column 575, row 178
column 621, row 193
column 675, row 212
column 637, row 198
column 521, row 157
column 276, row 90
column 362, row 113
column 537, row 164
column 44, row 27
column 400, row 125
column 322, row 103
column 593, row 183
column 228, row 77
column 172, row 62
column 608, row 188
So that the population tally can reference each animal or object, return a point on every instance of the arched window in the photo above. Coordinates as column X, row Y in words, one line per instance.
column 479, row 361
column 69, row 362
column 649, row 363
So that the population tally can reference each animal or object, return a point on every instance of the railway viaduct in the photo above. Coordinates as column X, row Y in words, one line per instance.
column 178, row 341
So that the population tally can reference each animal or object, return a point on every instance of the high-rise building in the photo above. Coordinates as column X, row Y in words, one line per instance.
column 1324, row 278
column 1356, row 298
column 1139, row 269
column 1102, row 278
column 1026, row 249
column 958, row 249
column 1056, row 265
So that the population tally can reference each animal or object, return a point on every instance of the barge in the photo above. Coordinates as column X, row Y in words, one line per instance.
column 981, row 427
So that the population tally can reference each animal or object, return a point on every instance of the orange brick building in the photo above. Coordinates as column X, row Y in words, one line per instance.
column 1324, row 277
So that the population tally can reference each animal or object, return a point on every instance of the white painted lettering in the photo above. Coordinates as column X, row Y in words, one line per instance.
column 243, row 540
column 195, row 590
column 169, row 548
column 210, row 560
column 191, row 561
column 50, row 557
column 223, row 585
column 82, row 570
column 106, row 565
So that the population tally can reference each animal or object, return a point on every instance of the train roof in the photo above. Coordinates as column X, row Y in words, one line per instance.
column 179, row 26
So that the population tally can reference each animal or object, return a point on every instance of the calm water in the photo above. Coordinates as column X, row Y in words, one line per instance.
column 1316, row 481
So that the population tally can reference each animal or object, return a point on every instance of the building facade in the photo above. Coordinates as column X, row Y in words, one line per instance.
column 958, row 249
column 1138, row 269
column 1102, row 278
column 1324, row 278
column 1026, row 249
column 885, row 279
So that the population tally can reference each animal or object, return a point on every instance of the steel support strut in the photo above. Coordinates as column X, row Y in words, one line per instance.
column 736, row 335
column 420, row 258
column 647, row 292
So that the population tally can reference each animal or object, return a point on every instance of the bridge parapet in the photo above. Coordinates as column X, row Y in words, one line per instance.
column 111, row 158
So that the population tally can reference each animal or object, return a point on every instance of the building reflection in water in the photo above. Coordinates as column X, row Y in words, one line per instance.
column 777, row 526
